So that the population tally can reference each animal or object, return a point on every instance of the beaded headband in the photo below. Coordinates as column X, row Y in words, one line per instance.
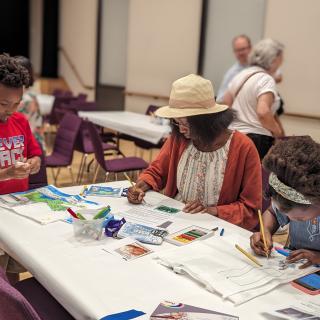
column 286, row 191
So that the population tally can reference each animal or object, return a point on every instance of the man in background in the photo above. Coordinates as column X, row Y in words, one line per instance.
column 241, row 47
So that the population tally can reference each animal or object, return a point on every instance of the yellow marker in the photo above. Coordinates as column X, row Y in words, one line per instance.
column 249, row 256
column 263, row 234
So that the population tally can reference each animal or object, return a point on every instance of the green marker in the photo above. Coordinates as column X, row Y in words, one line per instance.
column 102, row 213
column 80, row 216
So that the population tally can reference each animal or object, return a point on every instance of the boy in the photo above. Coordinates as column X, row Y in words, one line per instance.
column 19, row 152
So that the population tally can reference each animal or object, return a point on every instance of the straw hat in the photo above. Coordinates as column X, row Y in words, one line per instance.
column 190, row 96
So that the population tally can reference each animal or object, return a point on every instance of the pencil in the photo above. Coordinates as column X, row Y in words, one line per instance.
column 249, row 256
column 132, row 184
column 263, row 234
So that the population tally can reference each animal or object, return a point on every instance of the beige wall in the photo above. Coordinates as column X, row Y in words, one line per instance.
column 296, row 24
column 36, row 34
column 78, row 21
column 163, row 44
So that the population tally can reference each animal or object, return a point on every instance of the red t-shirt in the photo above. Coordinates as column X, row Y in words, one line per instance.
column 16, row 140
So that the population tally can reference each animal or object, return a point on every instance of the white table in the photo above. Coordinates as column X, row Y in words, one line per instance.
column 134, row 124
column 45, row 102
column 91, row 283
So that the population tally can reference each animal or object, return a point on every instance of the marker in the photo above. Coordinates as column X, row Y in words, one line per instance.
column 102, row 213
column 73, row 214
column 282, row 251
column 80, row 216
column 221, row 232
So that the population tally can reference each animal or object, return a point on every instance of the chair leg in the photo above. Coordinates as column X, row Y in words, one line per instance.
column 150, row 155
column 80, row 168
column 71, row 174
column 83, row 168
column 55, row 176
column 96, row 173
column 116, row 176
column 107, row 175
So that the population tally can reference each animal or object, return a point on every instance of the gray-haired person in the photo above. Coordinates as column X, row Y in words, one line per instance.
column 253, row 94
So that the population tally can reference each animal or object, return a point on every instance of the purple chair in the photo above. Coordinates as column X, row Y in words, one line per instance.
column 113, row 165
column 28, row 300
column 85, row 146
column 64, row 144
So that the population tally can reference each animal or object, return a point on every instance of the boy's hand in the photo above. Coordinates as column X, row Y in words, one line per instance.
column 18, row 171
column 312, row 257
column 34, row 163
column 257, row 244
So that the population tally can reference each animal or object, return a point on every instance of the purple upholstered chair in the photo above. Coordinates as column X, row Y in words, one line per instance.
column 113, row 165
column 63, row 148
column 85, row 146
column 28, row 300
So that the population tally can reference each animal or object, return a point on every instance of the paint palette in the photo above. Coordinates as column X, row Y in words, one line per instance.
column 189, row 235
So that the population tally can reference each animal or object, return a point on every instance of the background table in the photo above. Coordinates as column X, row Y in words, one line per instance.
column 134, row 124
column 90, row 283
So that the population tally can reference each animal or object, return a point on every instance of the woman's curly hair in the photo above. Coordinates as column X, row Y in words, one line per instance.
column 296, row 163
column 12, row 74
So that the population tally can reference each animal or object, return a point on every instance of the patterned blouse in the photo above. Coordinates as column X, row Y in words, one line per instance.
column 200, row 174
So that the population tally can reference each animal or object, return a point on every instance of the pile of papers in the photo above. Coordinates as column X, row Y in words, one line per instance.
column 222, row 269
column 45, row 205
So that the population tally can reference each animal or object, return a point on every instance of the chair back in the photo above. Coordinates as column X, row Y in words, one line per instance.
column 97, row 145
column 66, row 136
column 13, row 305
column 39, row 179
column 151, row 109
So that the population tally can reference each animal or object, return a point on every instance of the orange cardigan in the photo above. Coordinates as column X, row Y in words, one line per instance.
column 241, row 192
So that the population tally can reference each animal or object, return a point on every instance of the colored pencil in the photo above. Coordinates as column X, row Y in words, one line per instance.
column 263, row 234
column 249, row 256
column 132, row 184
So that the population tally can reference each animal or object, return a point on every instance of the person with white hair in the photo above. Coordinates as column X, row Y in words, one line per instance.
column 253, row 94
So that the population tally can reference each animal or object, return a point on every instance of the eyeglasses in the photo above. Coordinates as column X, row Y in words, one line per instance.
column 241, row 49
column 179, row 124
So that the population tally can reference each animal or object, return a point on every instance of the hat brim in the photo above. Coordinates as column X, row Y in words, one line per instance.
column 169, row 112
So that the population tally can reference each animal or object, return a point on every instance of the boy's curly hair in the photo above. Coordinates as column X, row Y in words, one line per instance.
column 296, row 162
column 12, row 74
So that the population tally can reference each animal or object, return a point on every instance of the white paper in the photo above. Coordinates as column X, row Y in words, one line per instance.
column 221, row 268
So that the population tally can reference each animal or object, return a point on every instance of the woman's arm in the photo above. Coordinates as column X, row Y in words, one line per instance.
column 265, row 115
column 227, row 99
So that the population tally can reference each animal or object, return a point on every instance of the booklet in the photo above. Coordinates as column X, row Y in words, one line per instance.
column 172, row 310
column 104, row 191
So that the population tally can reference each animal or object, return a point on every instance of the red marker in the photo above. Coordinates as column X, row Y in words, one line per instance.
column 72, row 213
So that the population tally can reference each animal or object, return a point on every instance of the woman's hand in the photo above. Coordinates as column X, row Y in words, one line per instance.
column 135, row 195
column 257, row 245
column 312, row 257
column 194, row 207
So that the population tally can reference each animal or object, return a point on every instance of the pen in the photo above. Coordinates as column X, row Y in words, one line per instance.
column 249, row 256
column 263, row 234
column 221, row 232
column 215, row 229
column 72, row 213
column 84, row 191
column 282, row 251
column 132, row 184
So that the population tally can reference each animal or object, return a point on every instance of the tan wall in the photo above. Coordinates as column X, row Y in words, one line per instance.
column 36, row 34
column 296, row 24
column 78, row 21
column 163, row 44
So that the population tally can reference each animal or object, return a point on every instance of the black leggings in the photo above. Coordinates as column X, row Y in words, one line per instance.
column 263, row 143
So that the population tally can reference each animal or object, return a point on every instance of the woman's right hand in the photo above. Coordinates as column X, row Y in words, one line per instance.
column 257, row 245
column 135, row 195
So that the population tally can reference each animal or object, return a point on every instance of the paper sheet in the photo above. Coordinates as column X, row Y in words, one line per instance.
column 222, row 269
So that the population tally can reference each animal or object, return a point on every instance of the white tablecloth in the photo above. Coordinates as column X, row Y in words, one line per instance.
column 134, row 124
column 91, row 283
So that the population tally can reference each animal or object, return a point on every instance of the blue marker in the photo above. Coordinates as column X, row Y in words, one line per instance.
column 282, row 251
column 221, row 232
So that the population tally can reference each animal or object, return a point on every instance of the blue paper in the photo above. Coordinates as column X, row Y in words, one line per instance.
column 126, row 315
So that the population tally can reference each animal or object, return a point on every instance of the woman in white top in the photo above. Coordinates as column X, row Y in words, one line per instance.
column 253, row 94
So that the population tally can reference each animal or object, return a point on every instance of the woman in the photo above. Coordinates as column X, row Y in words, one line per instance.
column 294, row 188
column 29, row 105
column 204, row 164
column 253, row 94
